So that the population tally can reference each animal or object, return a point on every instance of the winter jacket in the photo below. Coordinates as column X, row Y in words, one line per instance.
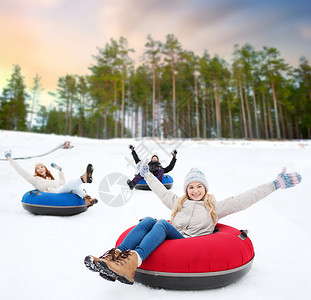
column 194, row 219
column 166, row 170
column 41, row 184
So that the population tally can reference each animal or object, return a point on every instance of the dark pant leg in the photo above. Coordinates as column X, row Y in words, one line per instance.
column 159, row 174
column 137, row 178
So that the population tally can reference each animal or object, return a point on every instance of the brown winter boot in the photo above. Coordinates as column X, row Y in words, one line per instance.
column 89, row 201
column 123, row 267
column 87, row 176
column 91, row 261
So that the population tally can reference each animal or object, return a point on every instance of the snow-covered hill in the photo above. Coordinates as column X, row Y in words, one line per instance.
column 42, row 256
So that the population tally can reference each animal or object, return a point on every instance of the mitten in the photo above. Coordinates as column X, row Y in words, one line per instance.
column 286, row 180
column 8, row 153
column 131, row 147
column 174, row 152
column 143, row 168
column 54, row 165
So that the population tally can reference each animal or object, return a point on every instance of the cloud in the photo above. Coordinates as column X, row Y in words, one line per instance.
column 34, row 3
column 56, row 37
column 164, row 16
column 305, row 31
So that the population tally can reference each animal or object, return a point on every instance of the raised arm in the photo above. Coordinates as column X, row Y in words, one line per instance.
column 61, row 174
column 135, row 156
column 39, row 183
column 172, row 163
column 234, row 204
column 27, row 176
column 240, row 202
column 167, row 197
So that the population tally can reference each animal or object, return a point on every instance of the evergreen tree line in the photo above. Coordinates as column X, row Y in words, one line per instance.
column 172, row 93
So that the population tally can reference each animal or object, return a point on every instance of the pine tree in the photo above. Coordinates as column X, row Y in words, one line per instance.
column 153, row 50
column 273, row 67
column 173, row 49
column 13, row 106
column 125, row 60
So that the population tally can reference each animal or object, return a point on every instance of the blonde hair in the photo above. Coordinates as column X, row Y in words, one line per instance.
column 209, row 203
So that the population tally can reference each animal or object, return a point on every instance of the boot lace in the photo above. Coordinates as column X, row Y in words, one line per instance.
column 121, row 259
column 110, row 255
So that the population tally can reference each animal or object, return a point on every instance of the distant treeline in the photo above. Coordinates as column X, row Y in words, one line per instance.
column 172, row 92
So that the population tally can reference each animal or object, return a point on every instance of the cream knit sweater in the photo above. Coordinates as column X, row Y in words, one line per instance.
column 194, row 219
column 39, row 183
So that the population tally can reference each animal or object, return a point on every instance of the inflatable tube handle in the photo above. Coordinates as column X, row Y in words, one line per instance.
column 243, row 234
column 35, row 192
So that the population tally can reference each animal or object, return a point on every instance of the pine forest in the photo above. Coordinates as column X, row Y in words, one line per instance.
column 170, row 93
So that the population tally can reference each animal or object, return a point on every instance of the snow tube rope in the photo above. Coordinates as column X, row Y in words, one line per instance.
column 65, row 145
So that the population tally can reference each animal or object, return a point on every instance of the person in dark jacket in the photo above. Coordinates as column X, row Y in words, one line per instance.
column 155, row 167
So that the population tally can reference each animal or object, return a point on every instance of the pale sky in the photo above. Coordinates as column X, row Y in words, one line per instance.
column 58, row 37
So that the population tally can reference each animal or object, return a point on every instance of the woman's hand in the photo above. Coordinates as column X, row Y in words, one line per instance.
column 54, row 165
column 286, row 180
column 174, row 152
column 8, row 154
column 143, row 168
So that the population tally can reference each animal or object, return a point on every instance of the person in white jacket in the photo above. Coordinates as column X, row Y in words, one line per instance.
column 194, row 214
column 44, row 181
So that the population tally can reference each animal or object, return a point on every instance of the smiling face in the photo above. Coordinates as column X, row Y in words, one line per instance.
column 41, row 170
column 196, row 191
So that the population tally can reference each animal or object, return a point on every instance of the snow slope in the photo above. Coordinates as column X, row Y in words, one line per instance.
column 42, row 256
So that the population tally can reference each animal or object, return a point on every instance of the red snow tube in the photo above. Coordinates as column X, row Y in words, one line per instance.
column 197, row 263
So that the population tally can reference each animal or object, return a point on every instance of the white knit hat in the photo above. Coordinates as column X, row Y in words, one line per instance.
column 39, row 163
column 195, row 175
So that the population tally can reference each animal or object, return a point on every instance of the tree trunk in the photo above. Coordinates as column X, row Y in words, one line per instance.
column 277, row 126
column 218, row 112
column 188, row 126
column 243, row 110
column 153, row 99
column 105, row 123
column 230, row 115
column 128, row 108
column 67, row 115
column 255, row 112
column 136, row 120
column 290, row 126
column 249, row 116
column 31, row 111
column 158, row 112
column 203, row 117
column 270, row 121
column 307, row 84
column 208, row 115
column 122, row 106
column 266, row 132
column 174, row 99
column 283, row 128
column 81, row 111
column 70, row 118
column 213, row 110
column 115, row 112
column 196, row 105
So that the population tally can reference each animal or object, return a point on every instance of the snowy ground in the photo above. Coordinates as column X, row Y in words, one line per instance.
column 42, row 256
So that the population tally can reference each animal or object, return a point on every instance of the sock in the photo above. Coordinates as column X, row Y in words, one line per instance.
column 139, row 259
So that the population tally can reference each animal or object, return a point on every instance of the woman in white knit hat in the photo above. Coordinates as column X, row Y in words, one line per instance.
column 194, row 214
column 44, row 181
